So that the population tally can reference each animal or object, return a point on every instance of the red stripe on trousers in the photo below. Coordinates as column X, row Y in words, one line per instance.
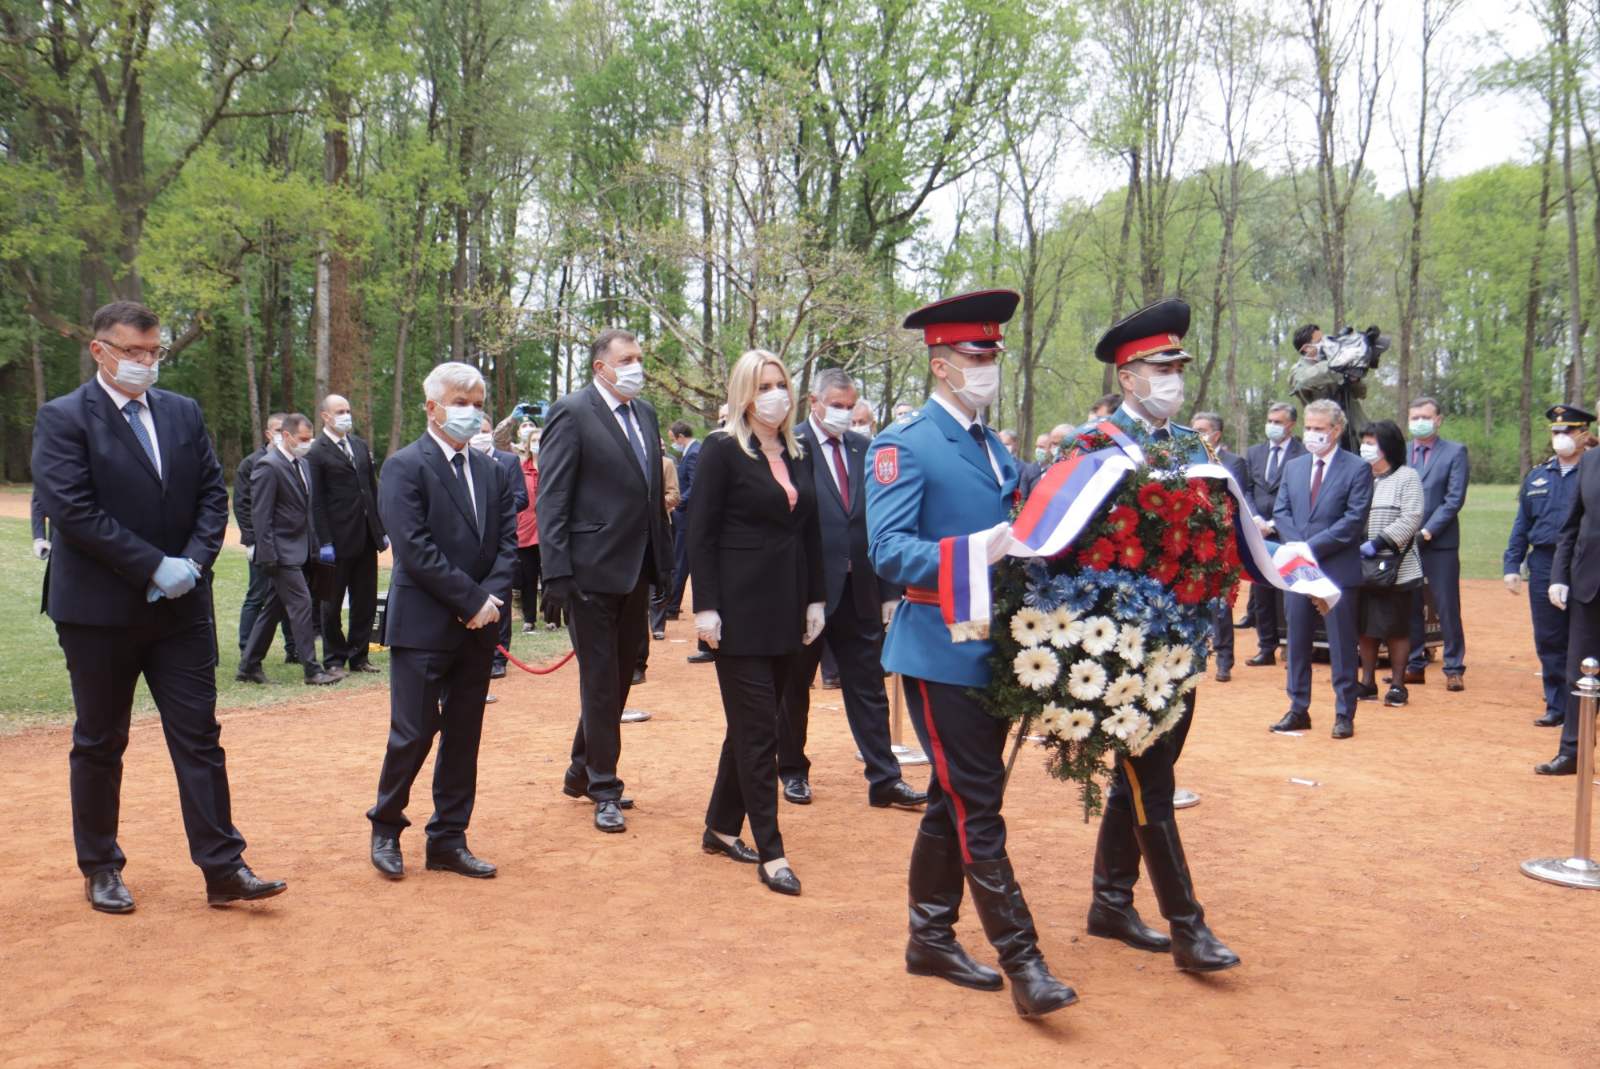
column 942, row 770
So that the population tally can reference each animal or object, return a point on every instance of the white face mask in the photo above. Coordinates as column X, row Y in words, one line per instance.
column 483, row 442
column 863, row 429
column 134, row 376
column 526, row 433
column 1370, row 452
column 835, row 421
column 1564, row 444
column 277, row 440
column 1274, row 432
column 1164, row 398
column 630, row 380
column 1316, row 441
column 343, row 422
column 300, row 449
column 772, row 406
column 979, row 385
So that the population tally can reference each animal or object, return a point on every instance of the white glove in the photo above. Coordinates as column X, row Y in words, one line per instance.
column 708, row 627
column 1263, row 525
column 1558, row 595
column 888, row 612
column 816, row 616
column 250, row 553
column 489, row 614
column 998, row 541
column 1513, row 583
column 41, row 549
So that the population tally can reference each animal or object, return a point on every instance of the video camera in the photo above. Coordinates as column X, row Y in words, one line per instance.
column 532, row 410
column 1353, row 354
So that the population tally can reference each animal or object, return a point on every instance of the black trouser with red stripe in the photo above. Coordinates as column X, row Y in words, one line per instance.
column 966, row 747
column 1145, row 783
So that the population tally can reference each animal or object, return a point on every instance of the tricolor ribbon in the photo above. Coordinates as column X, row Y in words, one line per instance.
column 1068, row 498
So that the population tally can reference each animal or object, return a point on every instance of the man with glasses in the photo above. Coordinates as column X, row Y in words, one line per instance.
column 137, row 507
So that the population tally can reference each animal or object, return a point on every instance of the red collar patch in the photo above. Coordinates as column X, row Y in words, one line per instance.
column 886, row 467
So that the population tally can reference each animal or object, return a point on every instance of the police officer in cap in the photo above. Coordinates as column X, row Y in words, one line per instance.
column 942, row 473
column 1147, row 350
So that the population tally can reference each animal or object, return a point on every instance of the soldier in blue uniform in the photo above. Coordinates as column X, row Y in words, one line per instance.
column 1147, row 349
column 1541, row 509
column 941, row 473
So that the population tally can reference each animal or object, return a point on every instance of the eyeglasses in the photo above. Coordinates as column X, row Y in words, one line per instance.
column 144, row 356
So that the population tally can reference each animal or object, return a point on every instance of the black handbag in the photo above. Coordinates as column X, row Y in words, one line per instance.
column 1380, row 572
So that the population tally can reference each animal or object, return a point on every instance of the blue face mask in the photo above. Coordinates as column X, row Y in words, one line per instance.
column 1040, row 455
column 461, row 422
column 1274, row 432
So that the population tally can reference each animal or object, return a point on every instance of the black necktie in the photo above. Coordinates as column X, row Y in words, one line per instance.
column 298, row 470
column 624, row 410
column 344, row 443
column 976, row 430
column 459, row 461
column 1161, row 434
column 1272, row 466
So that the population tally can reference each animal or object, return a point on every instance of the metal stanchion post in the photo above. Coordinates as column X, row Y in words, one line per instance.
column 1183, row 798
column 906, row 755
column 1579, row 870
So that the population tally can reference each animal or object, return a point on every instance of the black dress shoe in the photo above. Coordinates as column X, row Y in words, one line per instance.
column 1559, row 765
column 831, row 684
column 1293, row 721
column 638, row 676
column 736, row 849
column 497, row 671
column 386, row 857
column 1265, row 657
column 253, row 675
column 1550, row 720
column 1366, row 692
column 608, row 817
column 571, row 791
column 659, row 636
column 703, row 657
column 1343, row 727
column 459, row 859
column 900, row 793
column 1396, row 697
column 107, row 893
column 241, row 885
column 785, row 882
column 797, row 791
column 319, row 678
column 365, row 666
column 1224, row 675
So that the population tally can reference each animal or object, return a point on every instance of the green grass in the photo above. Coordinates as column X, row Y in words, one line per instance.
column 34, row 688
column 1485, row 528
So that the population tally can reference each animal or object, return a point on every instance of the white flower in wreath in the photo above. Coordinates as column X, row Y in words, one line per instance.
column 1156, row 672
column 1028, row 626
column 1078, row 725
column 1125, row 689
column 1170, row 721
column 1086, row 681
column 1036, row 668
column 1124, row 721
column 1065, row 629
column 1130, row 643
column 1180, row 660
column 1051, row 718
column 1189, row 684
column 1143, row 737
column 1157, row 692
column 1099, row 635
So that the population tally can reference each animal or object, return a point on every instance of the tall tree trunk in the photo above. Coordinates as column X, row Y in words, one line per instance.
column 1530, row 315
column 36, row 362
column 247, row 322
column 1119, row 285
column 1574, row 277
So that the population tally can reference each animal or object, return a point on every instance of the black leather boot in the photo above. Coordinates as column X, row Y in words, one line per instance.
column 1009, row 926
column 935, row 896
column 1116, row 870
column 1194, row 947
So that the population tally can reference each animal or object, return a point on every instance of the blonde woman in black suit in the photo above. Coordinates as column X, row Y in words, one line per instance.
column 755, row 556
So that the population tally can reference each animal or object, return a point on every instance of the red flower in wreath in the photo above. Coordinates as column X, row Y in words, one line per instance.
column 1205, row 547
column 1122, row 522
column 1153, row 497
column 1230, row 552
column 1191, row 590
column 1174, row 540
column 1202, row 492
column 1099, row 555
column 1164, row 571
column 1130, row 555
column 1180, row 507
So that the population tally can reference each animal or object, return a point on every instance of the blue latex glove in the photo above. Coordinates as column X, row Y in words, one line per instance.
column 325, row 553
column 1369, row 550
column 175, row 577
column 385, row 541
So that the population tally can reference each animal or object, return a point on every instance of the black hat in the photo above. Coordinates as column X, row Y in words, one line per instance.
column 1154, row 333
column 967, row 322
column 1568, row 416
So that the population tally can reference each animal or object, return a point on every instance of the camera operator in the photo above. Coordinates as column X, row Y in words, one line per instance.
column 1334, row 369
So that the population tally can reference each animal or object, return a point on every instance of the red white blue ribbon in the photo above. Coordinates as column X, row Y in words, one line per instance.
column 964, row 586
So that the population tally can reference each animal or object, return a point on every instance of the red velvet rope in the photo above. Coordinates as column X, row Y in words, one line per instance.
column 535, row 671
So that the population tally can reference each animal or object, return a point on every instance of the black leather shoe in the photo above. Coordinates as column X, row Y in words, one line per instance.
column 1559, row 765
column 1343, row 727
column 736, row 849
column 241, row 885
column 1366, row 692
column 797, row 791
column 785, row 882
column 1008, row 923
column 253, row 675
column 659, row 636
column 1396, row 697
column 638, row 676
column 1195, row 948
column 1550, row 720
column 497, row 671
column 386, row 857
column 934, row 891
column 608, row 817
column 107, row 893
column 1224, row 675
column 571, row 790
column 319, row 678
column 459, row 859
column 703, row 657
column 831, row 683
column 365, row 666
column 1293, row 721
column 1116, row 871
column 901, row 794
column 1265, row 657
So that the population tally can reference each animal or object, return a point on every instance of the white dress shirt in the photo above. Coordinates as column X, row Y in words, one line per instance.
column 120, row 399
column 450, row 454
column 966, row 423
column 825, row 446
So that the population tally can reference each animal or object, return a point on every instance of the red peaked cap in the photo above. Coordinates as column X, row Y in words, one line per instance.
column 1155, row 333
column 968, row 319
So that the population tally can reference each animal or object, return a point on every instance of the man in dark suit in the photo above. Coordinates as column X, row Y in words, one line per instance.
column 1575, row 589
column 688, row 450
column 137, row 510
column 1266, row 461
column 1445, row 469
column 1209, row 426
column 857, row 610
column 508, row 466
column 453, row 525
column 1323, row 501
column 350, row 534
column 603, row 541
column 281, row 507
column 255, row 594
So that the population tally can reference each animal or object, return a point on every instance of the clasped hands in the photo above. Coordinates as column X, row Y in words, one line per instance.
column 174, row 577
column 489, row 614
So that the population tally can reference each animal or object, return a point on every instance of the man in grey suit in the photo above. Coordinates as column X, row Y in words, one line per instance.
column 280, row 500
column 1445, row 469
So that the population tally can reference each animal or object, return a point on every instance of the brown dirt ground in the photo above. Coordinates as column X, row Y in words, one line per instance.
column 1381, row 915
